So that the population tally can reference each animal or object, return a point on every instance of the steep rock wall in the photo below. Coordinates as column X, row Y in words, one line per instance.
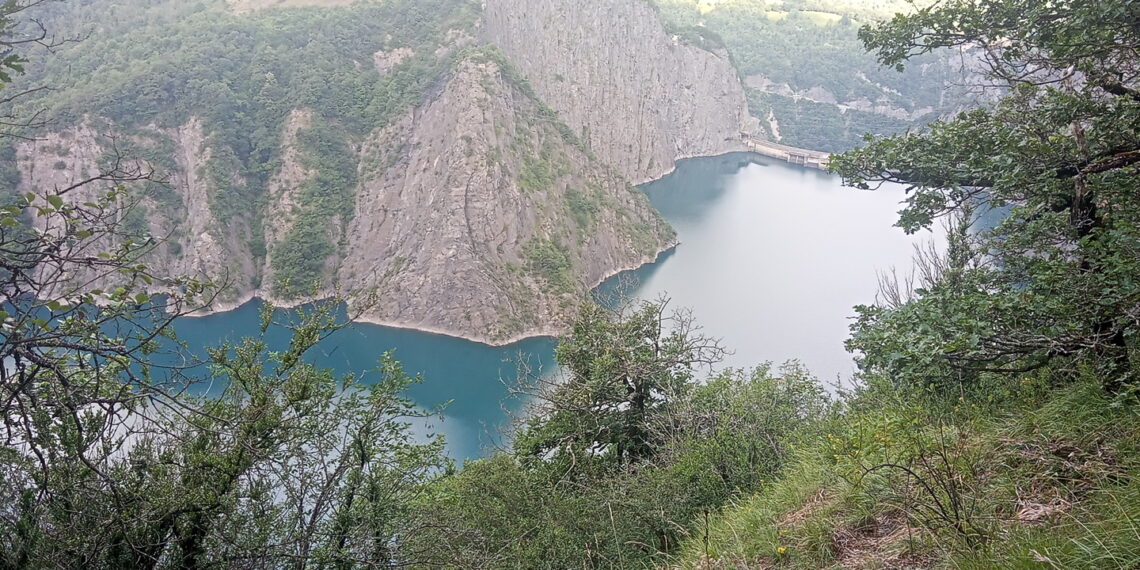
column 172, row 205
column 477, row 214
column 638, row 96
column 480, row 217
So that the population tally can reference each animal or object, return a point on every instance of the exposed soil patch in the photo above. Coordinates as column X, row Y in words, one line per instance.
column 880, row 542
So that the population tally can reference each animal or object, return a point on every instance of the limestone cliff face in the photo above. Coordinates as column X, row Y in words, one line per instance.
column 175, row 209
column 477, row 214
column 483, row 218
column 197, row 244
column 487, row 211
column 639, row 97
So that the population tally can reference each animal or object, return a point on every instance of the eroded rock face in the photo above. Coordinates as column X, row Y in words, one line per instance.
column 639, row 97
column 482, row 212
column 478, row 217
column 188, row 240
column 205, row 248
column 477, row 214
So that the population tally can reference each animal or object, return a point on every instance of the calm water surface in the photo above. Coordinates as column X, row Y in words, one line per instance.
column 468, row 378
column 772, row 259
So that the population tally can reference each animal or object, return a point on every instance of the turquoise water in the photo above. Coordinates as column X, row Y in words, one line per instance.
column 772, row 259
column 470, row 378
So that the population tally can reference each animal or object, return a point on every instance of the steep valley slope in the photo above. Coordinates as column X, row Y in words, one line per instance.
column 639, row 96
column 485, row 208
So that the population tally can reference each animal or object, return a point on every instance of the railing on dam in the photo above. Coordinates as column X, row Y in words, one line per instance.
column 802, row 157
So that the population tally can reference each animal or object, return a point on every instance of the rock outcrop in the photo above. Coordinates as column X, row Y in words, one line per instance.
column 640, row 97
column 477, row 214
column 487, row 218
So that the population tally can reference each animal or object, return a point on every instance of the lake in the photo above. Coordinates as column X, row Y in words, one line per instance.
column 772, row 259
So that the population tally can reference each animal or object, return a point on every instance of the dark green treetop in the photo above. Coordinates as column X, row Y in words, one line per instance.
column 1057, row 278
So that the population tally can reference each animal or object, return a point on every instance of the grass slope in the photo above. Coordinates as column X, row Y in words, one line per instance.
column 1051, row 482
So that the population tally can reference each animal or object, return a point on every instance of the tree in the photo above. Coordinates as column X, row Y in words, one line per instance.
column 621, row 456
column 17, row 32
column 623, row 368
column 113, row 457
column 1060, row 149
column 288, row 465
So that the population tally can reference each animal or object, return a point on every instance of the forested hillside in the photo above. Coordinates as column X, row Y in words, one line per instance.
column 993, row 423
column 293, row 153
column 810, row 82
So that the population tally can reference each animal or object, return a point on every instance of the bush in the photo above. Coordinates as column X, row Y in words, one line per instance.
column 549, row 260
column 597, row 479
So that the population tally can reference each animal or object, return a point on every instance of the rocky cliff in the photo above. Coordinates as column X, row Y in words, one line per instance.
column 474, row 190
column 640, row 97
column 173, row 205
column 476, row 214
column 486, row 217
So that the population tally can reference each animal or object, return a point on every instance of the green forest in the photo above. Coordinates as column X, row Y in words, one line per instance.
column 157, row 64
column 806, row 45
column 994, row 421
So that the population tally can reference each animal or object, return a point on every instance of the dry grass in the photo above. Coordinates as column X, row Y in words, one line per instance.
column 879, row 542
column 809, row 509
column 1053, row 485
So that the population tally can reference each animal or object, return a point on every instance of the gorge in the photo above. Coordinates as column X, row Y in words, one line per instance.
column 478, row 190
column 771, row 260
column 490, row 198
column 563, row 284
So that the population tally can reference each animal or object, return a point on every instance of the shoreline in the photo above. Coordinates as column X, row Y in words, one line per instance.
column 548, row 332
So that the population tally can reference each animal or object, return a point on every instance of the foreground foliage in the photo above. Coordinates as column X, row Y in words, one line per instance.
column 626, row 455
column 1045, row 478
column 119, row 453
column 1057, row 281
column 996, row 426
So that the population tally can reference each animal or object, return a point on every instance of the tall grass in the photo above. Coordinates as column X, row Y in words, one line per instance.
column 1047, row 477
